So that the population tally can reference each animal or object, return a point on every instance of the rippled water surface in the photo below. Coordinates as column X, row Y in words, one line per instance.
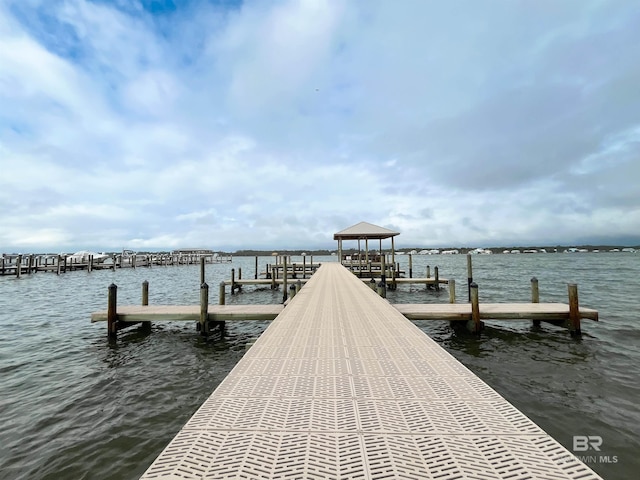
column 74, row 405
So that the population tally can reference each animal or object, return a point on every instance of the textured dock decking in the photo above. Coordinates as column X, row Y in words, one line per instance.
column 342, row 386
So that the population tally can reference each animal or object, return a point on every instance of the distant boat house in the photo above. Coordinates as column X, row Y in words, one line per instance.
column 364, row 231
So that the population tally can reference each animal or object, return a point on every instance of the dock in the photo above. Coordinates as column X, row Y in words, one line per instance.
column 469, row 315
column 284, row 271
column 550, row 312
column 341, row 385
column 18, row 265
column 190, row 313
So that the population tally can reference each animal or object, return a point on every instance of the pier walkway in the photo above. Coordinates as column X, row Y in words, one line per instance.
column 342, row 386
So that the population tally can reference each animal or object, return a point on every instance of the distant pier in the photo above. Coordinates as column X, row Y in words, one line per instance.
column 18, row 264
column 283, row 271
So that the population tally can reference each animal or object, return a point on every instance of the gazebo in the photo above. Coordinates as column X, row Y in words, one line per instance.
column 365, row 231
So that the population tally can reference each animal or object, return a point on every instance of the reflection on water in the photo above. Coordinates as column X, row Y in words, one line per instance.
column 75, row 405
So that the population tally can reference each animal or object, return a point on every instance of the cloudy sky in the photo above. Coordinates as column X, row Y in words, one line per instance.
column 154, row 124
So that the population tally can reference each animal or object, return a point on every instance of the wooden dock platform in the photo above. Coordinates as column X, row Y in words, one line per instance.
column 341, row 385
column 190, row 313
column 492, row 311
column 412, row 311
column 18, row 264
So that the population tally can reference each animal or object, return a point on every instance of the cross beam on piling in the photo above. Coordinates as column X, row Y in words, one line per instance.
column 569, row 315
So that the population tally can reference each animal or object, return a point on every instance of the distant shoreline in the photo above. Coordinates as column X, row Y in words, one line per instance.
column 398, row 251
column 450, row 250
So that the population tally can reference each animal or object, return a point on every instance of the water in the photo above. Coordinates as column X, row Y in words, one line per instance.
column 74, row 405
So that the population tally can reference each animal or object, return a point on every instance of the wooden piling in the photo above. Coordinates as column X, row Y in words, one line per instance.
column 112, row 315
column 469, row 275
column 535, row 293
column 452, row 299
column 574, row 310
column 202, row 279
column 298, row 286
column 437, row 278
column 475, row 325
column 146, row 326
column 233, row 280
column 292, row 291
column 452, row 291
column 535, row 297
column 145, row 293
column 284, row 279
column 256, row 274
column 30, row 267
column 394, row 286
column 204, row 309
column 274, row 270
column 410, row 266
column 428, row 271
column 221, row 294
column 19, row 266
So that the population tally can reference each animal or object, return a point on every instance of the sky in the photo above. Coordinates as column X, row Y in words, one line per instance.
column 161, row 124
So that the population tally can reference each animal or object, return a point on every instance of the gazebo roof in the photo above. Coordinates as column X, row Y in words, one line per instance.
column 364, row 230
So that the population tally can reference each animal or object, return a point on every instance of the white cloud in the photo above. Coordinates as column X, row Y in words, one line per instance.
column 275, row 125
column 152, row 93
column 276, row 53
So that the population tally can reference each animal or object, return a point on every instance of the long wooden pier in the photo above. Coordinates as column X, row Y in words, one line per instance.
column 18, row 265
column 190, row 313
column 341, row 385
